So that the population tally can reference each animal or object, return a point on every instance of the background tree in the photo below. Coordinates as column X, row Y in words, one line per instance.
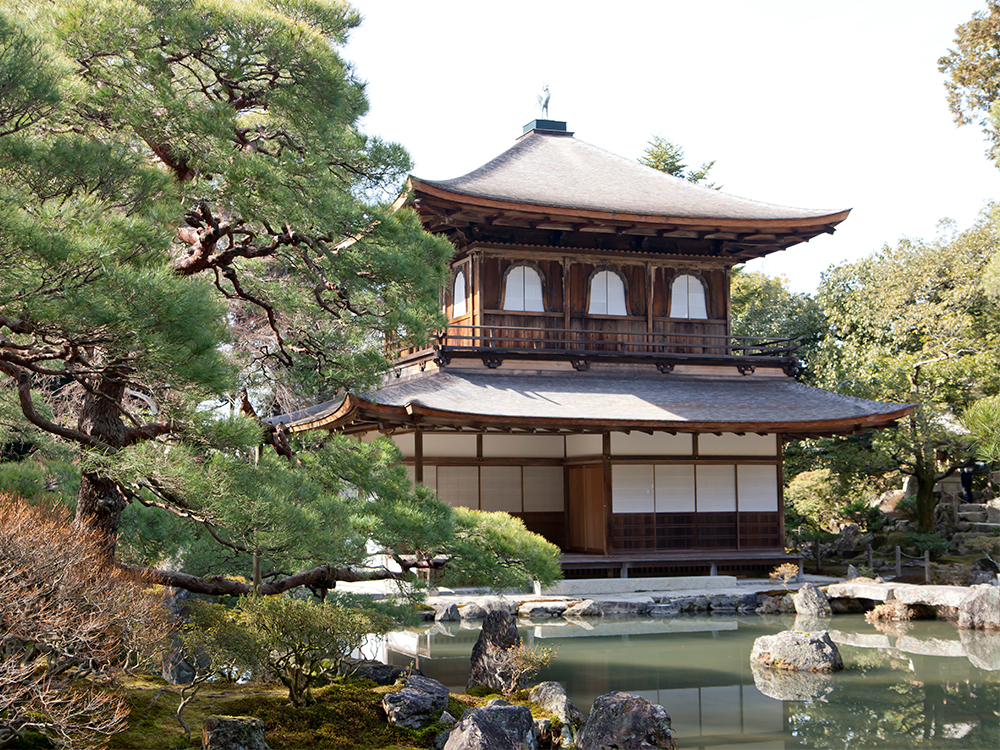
column 913, row 324
column 973, row 73
column 668, row 157
column 188, row 209
column 762, row 305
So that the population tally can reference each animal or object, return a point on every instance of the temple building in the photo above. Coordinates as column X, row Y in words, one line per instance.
column 588, row 381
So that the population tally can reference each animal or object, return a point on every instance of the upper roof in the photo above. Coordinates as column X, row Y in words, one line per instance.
column 549, row 180
column 601, row 401
column 546, row 168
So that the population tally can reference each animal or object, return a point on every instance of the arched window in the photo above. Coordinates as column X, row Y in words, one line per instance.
column 607, row 294
column 522, row 290
column 687, row 298
column 458, row 304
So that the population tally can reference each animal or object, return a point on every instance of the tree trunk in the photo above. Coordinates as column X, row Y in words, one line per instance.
column 924, row 500
column 99, row 503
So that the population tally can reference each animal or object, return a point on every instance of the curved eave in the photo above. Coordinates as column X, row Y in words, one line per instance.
column 812, row 225
column 358, row 410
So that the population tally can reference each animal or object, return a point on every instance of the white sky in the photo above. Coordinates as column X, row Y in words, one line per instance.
column 801, row 103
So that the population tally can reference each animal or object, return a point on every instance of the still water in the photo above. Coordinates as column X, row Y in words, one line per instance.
column 928, row 685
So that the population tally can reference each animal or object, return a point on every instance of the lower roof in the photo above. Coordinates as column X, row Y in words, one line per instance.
column 592, row 401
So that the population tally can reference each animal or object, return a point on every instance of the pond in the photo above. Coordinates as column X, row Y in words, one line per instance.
column 925, row 686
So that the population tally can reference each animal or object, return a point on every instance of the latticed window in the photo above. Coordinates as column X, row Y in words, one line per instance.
column 687, row 298
column 607, row 294
column 522, row 290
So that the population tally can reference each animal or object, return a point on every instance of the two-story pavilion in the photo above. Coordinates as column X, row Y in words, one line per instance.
column 588, row 381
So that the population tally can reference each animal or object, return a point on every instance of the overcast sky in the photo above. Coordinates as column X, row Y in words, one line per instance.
column 815, row 104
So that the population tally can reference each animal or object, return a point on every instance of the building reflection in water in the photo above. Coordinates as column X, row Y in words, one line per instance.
column 932, row 682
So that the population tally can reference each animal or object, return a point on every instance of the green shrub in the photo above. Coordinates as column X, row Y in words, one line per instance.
column 934, row 543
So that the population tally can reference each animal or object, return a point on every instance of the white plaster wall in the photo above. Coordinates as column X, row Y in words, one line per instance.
column 449, row 446
column 458, row 485
column 523, row 446
column 405, row 443
column 657, row 444
column 731, row 444
column 584, row 445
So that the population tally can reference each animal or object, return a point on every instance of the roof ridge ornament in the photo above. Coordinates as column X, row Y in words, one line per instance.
column 543, row 101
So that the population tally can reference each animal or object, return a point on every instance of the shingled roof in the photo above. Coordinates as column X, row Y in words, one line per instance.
column 556, row 170
column 589, row 400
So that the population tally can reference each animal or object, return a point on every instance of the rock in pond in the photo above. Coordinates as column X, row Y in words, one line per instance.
column 807, row 652
column 586, row 608
column 626, row 722
column 499, row 633
column 233, row 733
column 811, row 601
column 980, row 610
column 421, row 701
column 377, row 672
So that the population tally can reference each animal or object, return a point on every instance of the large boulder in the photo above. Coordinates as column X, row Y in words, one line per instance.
column 551, row 697
column 626, row 722
column 586, row 608
column 233, row 733
column 811, row 601
column 421, row 701
column 477, row 731
column 377, row 672
column 498, row 634
column 807, row 652
column 785, row 685
column 515, row 721
column 980, row 609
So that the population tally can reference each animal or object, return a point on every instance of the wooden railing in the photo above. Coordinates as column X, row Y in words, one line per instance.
column 469, row 338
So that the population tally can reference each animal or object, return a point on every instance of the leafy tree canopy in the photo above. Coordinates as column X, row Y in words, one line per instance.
column 189, row 210
column 668, row 157
column 973, row 74
column 914, row 324
column 762, row 305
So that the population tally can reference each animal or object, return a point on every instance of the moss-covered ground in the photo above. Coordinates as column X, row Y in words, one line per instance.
column 345, row 715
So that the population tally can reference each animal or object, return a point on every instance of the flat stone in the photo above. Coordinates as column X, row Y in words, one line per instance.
column 878, row 592
column 722, row 602
column 540, row 609
column 664, row 610
column 932, row 596
column 978, row 517
column 626, row 607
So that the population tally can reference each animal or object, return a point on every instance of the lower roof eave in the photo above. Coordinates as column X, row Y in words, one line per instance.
column 365, row 416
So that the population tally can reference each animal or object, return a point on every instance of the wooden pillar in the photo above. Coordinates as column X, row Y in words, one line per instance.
column 418, row 456
column 781, row 489
column 608, row 504
column 565, row 283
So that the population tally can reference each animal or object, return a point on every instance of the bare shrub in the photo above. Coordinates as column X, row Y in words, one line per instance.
column 890, row 611
column 785, row 573
column 520, row 663
column 70, row 622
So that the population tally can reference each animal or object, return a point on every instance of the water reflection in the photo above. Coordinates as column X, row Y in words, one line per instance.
column 929, row 686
